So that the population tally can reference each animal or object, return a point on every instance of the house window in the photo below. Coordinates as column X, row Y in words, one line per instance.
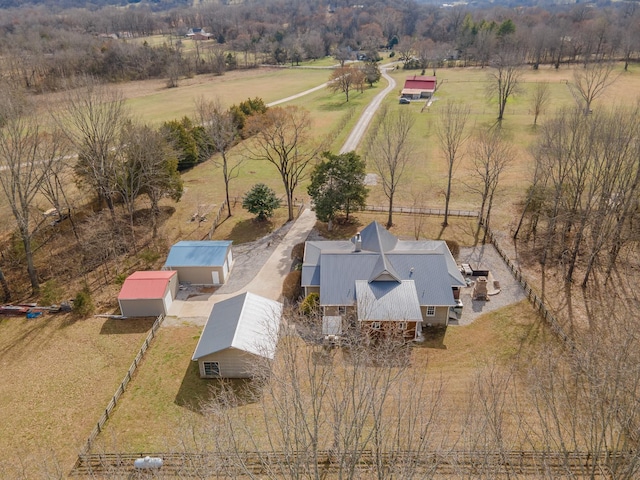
column 375, row 325
column 342, row 310
column 211, row 369
column 431, row 311
column 402, row 326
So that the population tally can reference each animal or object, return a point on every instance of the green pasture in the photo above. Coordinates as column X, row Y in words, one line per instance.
column 162, row 104
column 426, row 177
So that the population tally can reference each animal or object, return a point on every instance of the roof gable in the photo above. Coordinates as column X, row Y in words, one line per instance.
column 206, row 253
column 246, row 322
column 383, row 271
column 376, row 238
column 387, row 301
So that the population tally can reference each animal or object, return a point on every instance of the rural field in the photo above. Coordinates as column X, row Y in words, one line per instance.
column 61, row 371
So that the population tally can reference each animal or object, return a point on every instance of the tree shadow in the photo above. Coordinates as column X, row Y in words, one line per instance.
column 433, row 338
column 112, row 326
column 250, row 230
column 340, row 230
column 195, row 392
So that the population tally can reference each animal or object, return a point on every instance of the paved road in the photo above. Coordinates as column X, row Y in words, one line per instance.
column 268, row 281
column 361, row 127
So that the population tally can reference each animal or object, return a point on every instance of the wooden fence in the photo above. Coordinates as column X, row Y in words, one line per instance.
column 533, row 297
column 121, row 389
column 231, row 464
column 422, row 211
column 216, row 221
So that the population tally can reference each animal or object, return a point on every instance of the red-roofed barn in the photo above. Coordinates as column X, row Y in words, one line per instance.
column 148, row 294
column 417, row 87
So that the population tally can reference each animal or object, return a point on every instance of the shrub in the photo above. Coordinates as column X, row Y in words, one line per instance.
column 291, row 289
column 297, row 252
column 454, row 248
column 310, row 304
column 261, row 201
column 149, row 256
column 50, row 292
column 83, row 303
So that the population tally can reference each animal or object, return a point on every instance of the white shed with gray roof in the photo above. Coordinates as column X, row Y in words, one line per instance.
column 240, row 333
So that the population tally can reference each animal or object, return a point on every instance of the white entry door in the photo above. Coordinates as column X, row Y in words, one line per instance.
column 167, row 301
column 216, row 278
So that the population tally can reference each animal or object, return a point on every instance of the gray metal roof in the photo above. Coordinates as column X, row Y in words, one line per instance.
column 430, row 274
column 376, row 238
column 335, row 266
column 433, row 246
column 383, row 271
column 387, row 301
column 246, row 322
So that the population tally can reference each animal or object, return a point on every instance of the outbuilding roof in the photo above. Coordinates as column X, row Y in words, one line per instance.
column 246, row 322
column 205, row 253
column 421, row 83
column 145, row 285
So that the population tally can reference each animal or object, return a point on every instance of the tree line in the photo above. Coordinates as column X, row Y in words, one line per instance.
column 53, row 45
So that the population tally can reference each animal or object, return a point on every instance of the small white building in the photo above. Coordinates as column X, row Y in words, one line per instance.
column 241, row 332
column 206, row 262
column 148, row 294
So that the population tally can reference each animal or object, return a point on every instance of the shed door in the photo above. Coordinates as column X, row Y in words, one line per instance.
column 216, row 277
column 167, row 301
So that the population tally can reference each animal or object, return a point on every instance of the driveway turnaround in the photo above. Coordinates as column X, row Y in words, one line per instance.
column 268, row 282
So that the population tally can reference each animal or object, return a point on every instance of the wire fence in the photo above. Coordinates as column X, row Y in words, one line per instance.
column 121, row 388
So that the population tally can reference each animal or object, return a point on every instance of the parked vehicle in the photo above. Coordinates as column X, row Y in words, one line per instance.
column 404, row 101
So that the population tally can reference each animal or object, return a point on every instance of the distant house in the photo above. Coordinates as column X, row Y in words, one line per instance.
column 381, row 283
column 206, row 262
column 417, row 87
column 240, row 332
column 148, row 294
column 198, row 34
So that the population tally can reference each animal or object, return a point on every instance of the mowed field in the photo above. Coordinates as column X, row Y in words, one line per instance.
column 59, row 373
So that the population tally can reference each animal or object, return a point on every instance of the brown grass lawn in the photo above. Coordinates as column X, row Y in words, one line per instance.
column 58, row 373
column 161, row 411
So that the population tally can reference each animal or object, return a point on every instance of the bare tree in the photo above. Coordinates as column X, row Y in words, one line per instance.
column 452, row 134
column 345, row 79
column 222, row 133
column 391, row 151
column 539, row 100
column 491, row 155
column 592, row 80
column 504, row 77
column 94, row 116
column 26, row 155
column 283, row 137
column 332, row 408
column 150, row 166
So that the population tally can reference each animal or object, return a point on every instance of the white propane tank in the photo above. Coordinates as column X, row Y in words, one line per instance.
column 148, row 462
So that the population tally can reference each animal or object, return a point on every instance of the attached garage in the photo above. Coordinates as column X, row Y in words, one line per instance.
column 241, row 334
column 206, row 262
column 148, row 294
